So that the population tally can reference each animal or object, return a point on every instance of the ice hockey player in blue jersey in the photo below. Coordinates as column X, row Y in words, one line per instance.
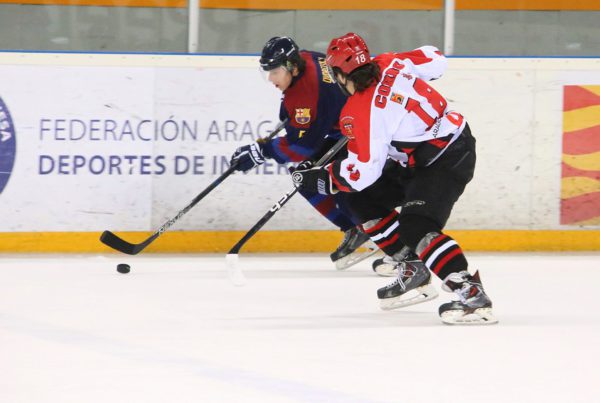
column 311, row 104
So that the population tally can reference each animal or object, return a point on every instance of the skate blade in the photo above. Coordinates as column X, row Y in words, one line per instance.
column 481, row 316
column 420, row 294
column 357, row 256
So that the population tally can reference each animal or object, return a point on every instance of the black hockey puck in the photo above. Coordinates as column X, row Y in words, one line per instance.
column 123, row 268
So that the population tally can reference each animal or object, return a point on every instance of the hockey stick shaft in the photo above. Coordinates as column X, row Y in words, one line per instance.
column 115, row 242
column 341, row 143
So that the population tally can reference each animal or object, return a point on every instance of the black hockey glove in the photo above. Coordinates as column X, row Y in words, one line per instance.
column 313, row 180
column 247, row 157
column 306, row 164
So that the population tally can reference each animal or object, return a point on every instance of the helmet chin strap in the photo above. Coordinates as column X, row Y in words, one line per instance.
column 344, row 87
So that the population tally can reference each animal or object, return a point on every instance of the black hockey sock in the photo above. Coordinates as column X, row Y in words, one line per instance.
column 384, row 232
column 441, row 254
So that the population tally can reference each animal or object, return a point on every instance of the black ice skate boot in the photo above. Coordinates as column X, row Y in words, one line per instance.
column 474, row 306
column 412, row 286
column 348, row 253
column 387, row 266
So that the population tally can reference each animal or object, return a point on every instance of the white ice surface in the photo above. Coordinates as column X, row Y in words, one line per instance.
column 175, row 329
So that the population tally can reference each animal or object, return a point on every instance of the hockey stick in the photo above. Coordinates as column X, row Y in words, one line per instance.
column 232, row 257
column 110, row 239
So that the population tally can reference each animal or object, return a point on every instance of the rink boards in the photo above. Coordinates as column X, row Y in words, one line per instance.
column 122, row 142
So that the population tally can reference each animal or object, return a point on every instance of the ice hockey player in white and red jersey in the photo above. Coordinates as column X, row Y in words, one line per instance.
column 406, row 149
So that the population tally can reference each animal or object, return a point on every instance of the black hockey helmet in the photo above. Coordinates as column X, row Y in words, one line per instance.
column 279, row 51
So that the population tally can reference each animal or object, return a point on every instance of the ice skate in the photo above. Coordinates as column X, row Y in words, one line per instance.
column 387, row 266
column 474, row 306
column 355, row 247
column 412, row 286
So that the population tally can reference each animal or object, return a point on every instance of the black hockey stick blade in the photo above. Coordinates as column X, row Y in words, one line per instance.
column 281, row 202
column 117, row 243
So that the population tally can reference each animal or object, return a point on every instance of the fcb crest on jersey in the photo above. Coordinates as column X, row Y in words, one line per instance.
column 302, row 115
column 396, row 98
column 347, row 126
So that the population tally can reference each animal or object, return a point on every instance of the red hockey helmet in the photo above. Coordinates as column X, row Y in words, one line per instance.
column 348, row 53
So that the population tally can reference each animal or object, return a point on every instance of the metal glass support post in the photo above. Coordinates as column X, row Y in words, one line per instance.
column 449, row 6
column 193, row 25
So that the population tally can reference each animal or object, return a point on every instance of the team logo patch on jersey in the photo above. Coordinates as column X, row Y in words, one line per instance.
column 302, row 115
column 354, row 173
column 396, row 98
column 347, row 126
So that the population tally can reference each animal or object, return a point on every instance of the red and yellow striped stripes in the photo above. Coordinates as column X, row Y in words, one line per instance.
column 580, row 184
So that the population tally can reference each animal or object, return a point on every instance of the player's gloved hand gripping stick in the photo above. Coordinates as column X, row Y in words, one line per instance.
column 117, row 243
column 235, row 273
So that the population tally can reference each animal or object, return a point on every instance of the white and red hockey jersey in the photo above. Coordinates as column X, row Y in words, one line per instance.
column 402, row 117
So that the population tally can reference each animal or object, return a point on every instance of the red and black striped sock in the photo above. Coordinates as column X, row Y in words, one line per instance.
column 384, row 233
column 441, row 254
